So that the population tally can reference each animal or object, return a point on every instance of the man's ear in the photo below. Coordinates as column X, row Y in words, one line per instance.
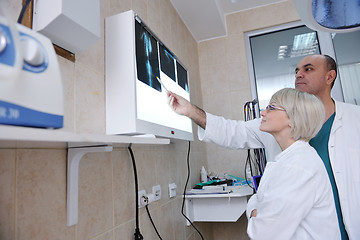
column 330, row 77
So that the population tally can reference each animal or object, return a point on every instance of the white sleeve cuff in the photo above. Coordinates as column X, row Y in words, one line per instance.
column 203, row 133
column 251, row 205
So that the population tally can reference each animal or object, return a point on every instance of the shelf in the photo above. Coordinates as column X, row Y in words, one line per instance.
column 77, row 145
column 227, row 207
column 23, row 137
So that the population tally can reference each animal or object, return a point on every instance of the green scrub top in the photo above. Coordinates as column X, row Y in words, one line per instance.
column 320, row 143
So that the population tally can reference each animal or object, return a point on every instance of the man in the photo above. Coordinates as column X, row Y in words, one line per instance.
column 338, row 142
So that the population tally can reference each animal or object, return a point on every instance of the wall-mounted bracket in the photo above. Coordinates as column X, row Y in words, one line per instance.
column 74, row 156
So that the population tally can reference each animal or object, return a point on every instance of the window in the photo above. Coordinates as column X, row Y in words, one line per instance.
column 273, row 54
column 347, row 53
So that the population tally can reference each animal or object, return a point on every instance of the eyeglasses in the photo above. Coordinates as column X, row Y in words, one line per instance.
column 272, row 107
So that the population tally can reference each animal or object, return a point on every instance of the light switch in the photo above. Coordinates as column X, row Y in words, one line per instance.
column 172, row 190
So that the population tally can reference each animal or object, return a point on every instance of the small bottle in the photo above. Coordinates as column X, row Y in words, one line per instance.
column 203, row 174
column 249, row 176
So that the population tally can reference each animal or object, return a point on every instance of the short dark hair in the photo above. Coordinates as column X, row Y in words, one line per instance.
column 331, row 65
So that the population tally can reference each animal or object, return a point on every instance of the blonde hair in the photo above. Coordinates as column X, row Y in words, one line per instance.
column 306, row 112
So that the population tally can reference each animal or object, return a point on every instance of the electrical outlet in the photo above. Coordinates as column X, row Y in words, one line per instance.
column 172, row 190
column 142, row 200
column 156, row 190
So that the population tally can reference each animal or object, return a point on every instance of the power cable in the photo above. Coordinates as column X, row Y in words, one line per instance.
column 23, row 10
column 137, row 233
column 257, row 160
column 152, row 222
column 184, row 194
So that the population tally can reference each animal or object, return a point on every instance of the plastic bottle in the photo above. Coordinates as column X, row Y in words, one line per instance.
column 249, row 176
column 203, row 174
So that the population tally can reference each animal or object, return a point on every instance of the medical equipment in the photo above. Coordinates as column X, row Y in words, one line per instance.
column 31, row 91
column 138, row 66
column 256, row 161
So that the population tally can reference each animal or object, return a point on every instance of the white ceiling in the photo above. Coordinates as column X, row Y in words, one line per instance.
column 206, row 19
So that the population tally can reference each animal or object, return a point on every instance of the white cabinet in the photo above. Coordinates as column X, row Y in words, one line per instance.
column 217, row 207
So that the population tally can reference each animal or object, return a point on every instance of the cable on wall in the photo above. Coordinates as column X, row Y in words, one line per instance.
column 152, row 222
column 256, row 159
column 23, row 10
column 184, row 194
column 137, row 233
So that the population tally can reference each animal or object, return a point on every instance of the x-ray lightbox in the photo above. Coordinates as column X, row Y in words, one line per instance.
column 136, row 101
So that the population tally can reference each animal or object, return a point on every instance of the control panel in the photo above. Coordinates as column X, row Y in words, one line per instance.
column 31, row 92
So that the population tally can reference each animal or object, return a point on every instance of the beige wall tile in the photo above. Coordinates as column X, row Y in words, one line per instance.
column 147, row 230
column 179, row 221
column 216, row 52
column 41, row 195
column 174, row 26
column 154, row 17
column 228, row 161
column 168, row 18
column 7, row 196
column 140, row 8
column 13, row 9
column 105, row 236
column 67, row 69
column 123, row 187
column 146, row 168
column 238, row 100
column 163, row 174
column 235, row 49
column 218, row 104
column 125, row 231
column 235, row 75
column 116, row 7
column 180, row 171
column 95, row 195
column 165, row 223
column 218, row 79
column 231, row 231
column 89, row 100
column 94, row 56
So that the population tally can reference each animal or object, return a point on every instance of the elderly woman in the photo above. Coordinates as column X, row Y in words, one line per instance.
column 294, row 199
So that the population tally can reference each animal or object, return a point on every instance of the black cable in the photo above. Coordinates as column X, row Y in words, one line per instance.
column 247, row 161
column 137, row 233
column 23, row 10
column 257, row 160
column 148, row 212
column 184, row 194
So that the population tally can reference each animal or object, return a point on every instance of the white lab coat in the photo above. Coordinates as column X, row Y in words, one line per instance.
column 294, row 199
column 344, row 152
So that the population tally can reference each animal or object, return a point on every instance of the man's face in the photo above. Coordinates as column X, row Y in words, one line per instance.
column 311, row 74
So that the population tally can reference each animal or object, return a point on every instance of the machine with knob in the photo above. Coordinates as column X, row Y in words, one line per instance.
column 31, row 92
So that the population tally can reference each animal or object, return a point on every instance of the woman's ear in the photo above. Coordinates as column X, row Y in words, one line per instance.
column 291, row 125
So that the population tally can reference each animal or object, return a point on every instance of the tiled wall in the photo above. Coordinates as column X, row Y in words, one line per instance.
column 33, row 181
